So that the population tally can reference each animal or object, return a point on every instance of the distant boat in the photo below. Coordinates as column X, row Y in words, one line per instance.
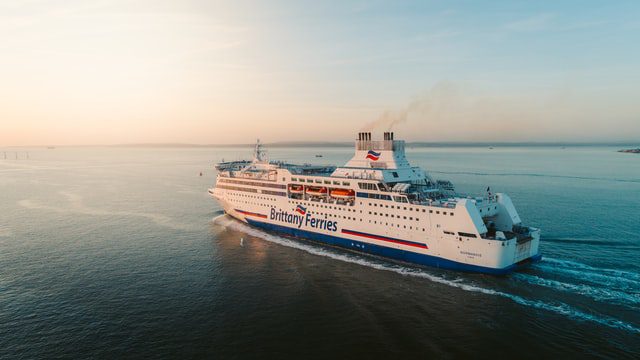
column 631, row 151
column 318, row 155
column 490, row 147
column 51, row 147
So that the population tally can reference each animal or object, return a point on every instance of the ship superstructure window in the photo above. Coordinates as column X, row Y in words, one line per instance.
column 467, row 234
column 336, row 183
column 395, row 174
column 367, row 186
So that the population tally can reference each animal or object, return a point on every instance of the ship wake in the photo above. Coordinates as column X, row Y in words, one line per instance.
column 460, row 283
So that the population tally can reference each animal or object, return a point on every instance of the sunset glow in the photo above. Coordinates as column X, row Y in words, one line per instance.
column 113, row 72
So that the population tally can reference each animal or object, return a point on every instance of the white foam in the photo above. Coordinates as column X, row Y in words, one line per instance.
column 591, row 275
column 559, row 308
column 576, row 265
column 596, row 293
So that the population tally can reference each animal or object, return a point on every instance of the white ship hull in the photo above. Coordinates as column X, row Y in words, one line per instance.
column 447, row 233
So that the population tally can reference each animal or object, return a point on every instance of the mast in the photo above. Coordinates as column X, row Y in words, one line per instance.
column 259, row 154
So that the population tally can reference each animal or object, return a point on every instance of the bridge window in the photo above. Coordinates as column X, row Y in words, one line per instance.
column 467, row 234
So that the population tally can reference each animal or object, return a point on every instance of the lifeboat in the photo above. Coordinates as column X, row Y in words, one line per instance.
column 296, row 189
column 342, row 193
column 316, row 191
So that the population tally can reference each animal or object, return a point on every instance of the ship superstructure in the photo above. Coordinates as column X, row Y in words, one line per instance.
column 378, row 203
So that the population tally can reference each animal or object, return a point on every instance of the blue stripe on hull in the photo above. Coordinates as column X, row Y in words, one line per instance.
column 384, row 251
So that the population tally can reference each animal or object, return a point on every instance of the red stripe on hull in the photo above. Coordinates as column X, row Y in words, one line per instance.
column 383, row 238
column 251, row 214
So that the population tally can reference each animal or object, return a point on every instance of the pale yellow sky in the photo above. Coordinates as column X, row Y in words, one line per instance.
column 111, row 72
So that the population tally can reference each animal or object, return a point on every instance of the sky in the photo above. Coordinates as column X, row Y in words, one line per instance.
column 218, row 72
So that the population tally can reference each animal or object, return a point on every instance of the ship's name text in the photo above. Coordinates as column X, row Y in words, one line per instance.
column 307, row 220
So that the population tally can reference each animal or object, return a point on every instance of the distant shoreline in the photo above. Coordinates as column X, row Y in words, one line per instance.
column 417, row 144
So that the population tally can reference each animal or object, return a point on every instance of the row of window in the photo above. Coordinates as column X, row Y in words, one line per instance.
column 410, row 209
column 374, row 196
column 397, row 225
column 393, row 216
column 228, row 187
column 277, row 193
column 318, row 181
column 253, row 183
column 367, row 186
column 255, row 197
column 460, row 233
column 251, row 190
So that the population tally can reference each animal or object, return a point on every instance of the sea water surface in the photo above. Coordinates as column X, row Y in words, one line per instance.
column 120, row 253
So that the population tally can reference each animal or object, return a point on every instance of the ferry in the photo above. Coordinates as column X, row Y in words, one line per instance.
column 379, row 204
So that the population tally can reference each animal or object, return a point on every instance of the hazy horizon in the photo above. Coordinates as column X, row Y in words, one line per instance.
column 100, row 72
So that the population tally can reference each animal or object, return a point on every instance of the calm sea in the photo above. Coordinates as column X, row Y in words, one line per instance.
column 120, row 253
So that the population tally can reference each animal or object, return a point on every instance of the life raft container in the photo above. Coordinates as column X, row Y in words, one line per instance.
column 296, row 189
column 342, row 193
column 316, row 191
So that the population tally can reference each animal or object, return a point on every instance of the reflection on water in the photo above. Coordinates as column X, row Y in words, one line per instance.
column 111, row 252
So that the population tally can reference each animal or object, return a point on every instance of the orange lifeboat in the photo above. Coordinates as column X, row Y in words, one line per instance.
column 316, row 191
column 342, row 193
column 296, row 189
